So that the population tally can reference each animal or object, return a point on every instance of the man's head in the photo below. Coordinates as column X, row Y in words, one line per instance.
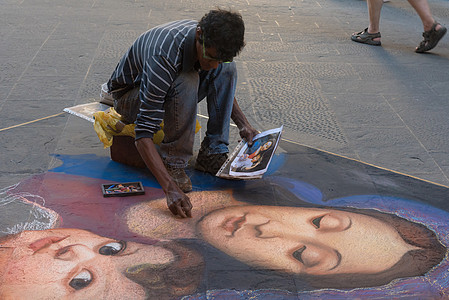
column 220, row 35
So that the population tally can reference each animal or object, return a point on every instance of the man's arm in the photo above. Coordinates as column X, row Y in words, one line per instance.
column 147, row 123
column 177, row 201
column 246, row 131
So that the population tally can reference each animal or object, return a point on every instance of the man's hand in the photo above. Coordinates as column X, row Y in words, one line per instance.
column 248, row 133
column 178, row 203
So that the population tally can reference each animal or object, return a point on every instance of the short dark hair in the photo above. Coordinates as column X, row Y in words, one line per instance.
column 173, row 280
column 224, row 30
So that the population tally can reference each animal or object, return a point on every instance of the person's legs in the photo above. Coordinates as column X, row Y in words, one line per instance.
column 433, row 31
column 371, row 35
column 374, row 10
column 423, row 10
column 219, row 87
column 179, row 120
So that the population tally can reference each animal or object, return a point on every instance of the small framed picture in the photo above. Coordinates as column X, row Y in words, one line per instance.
column 122, row 189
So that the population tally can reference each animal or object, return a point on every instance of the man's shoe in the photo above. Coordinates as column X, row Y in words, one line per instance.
column 431, row 38
column 210, row 163
column 180, row 178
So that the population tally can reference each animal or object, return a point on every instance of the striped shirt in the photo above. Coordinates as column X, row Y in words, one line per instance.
column 153, row 62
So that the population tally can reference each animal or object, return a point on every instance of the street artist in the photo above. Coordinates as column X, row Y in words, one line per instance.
column 162, row 77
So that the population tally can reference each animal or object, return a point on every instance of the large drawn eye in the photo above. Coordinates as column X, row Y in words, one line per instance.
column 112, row 248
column 298, row 254
column 317, row 222
column 82, row 280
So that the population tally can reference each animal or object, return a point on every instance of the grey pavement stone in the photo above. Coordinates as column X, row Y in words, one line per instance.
column 396, row 149
column 17, row 112
column 27, row 149
column 43, row 88
column 80, row 137
column 373, row 110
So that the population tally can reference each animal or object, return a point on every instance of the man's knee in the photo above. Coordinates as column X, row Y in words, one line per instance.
column 228, row 69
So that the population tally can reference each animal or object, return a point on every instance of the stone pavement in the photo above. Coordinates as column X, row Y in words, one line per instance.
column 385, row 108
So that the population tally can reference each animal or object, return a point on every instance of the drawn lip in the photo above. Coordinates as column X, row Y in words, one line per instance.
column 234, row 223
column 45, row 242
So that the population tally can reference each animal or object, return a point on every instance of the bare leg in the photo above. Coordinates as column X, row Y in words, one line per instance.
column 423, row 10
column 433, row 32
column 374, row 9
column 370, row 35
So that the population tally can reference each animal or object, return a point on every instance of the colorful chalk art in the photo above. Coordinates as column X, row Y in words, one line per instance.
column 315, row 226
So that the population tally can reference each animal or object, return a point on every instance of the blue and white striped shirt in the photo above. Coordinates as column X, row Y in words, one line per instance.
column 153, row 62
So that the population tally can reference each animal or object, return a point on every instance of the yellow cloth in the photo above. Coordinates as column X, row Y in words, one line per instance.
column 105, row 127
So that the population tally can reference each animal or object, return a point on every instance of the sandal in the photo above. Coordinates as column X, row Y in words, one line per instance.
column 366, row 38
column 431, row 38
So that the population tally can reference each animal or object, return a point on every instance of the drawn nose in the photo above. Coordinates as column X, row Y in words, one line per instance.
column 268, row 230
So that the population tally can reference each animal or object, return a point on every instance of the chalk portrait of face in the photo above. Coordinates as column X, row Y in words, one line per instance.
column 304, row 240
column 318, row 244
column 310, row 241
column 77, row 264
column 271, row 230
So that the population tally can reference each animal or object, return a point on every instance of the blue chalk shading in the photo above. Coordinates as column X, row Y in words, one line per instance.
column 102, row 167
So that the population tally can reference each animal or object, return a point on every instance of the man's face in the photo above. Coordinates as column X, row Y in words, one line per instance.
column 204, row 57
column 207, row 57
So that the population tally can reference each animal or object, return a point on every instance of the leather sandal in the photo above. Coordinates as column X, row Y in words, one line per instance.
column 431, row 38
column 366, row 38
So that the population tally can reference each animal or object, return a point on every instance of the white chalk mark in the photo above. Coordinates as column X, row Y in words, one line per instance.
column 260, row 18
column 280, row 38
